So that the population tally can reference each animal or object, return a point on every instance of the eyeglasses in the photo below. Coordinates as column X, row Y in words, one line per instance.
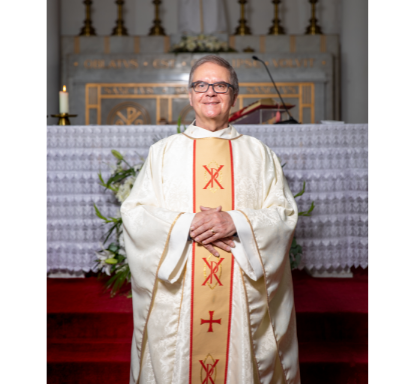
column 202, row 87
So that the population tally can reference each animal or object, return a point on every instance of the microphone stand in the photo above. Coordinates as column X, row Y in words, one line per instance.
column 291, row 119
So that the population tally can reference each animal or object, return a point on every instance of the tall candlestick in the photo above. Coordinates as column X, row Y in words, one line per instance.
column 313, row 28
column 276, row 28
column 242, row 28
column 157, row 29
column 64, row 105
column 119, row 29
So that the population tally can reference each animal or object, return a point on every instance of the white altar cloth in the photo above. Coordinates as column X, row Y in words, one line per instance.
column 332, row 159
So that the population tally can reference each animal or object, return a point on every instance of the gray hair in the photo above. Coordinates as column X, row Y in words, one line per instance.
column 221, row 62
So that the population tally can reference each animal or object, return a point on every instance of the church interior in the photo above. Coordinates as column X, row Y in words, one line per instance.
column 117, row 74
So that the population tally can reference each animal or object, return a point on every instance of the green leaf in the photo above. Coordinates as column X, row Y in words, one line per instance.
column 99, row 215
column 308, row 213
column 117, row 155
column 101, row 179
column 118, row 177
column 178, row 128
column 302, row 191
column 111, row 261
column 113, row 247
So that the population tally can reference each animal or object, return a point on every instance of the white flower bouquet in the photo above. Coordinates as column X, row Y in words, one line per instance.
column 201, row 44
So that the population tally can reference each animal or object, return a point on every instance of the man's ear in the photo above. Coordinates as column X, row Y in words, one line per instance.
column 234, row 100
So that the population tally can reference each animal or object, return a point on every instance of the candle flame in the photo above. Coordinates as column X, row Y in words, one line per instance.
column 64, row 88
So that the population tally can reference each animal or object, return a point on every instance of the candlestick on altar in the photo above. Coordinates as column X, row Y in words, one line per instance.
column 313, row 28
column 242, row 29
column 276, row 28
column 63, row 118
column 119, row 29
column 157, row 29
column 87, row 29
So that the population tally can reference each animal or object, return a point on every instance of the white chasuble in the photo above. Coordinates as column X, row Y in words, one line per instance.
column 200, row 319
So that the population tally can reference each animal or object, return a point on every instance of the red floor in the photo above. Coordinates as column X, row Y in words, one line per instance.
column 89, row 333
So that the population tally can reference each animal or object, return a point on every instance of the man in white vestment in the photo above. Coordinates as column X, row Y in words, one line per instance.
column 208, row 228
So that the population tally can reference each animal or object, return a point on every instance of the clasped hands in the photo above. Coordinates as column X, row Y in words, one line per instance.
column 213, row 228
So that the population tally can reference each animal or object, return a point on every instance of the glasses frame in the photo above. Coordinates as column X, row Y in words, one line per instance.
column 212, row 85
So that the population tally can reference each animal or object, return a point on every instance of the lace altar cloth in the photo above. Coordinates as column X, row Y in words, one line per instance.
column 332, row 159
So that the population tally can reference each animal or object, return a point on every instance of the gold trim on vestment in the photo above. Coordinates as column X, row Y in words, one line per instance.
column 253, row 352
column 152, row 295
column 202, row 138
column 266, row 290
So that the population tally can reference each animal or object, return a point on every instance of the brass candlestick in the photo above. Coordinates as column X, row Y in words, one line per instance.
column 157, row 29
column 87, row 29
column 120, row 29
column 242, row 29
column 276, row 28
column 313, row 28
column 63, row 118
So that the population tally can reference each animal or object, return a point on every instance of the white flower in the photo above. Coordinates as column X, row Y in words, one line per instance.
column 125, row 189
column 191, row 46
column 101, row 264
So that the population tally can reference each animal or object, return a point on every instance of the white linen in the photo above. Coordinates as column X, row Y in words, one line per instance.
column 190, row 20
column 332, row 160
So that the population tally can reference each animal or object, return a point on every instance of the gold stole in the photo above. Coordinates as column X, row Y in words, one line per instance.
column 212, row 277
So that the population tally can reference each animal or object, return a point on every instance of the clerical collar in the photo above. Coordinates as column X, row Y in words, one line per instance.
column 200, row 133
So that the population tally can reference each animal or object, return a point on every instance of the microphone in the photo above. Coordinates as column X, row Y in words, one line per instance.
column 291, row 119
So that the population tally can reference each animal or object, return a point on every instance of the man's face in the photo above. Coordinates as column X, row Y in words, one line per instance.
column 211, row 105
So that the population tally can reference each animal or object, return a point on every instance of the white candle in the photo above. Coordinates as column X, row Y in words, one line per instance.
column 64, row 105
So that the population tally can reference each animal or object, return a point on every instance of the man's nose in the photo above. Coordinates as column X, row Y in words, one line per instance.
column 210, row 91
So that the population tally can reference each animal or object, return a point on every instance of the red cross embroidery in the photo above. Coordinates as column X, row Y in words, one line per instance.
column 211, row 321
column 209, row 368
column 214, row 175
column 213, row 271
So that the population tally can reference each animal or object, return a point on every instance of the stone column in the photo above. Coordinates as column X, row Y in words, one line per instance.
column 354, row 61
column 53, row 58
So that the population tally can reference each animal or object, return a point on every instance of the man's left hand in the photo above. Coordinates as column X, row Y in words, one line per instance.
column 219, row 222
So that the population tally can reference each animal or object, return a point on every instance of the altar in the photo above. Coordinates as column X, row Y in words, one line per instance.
column 331, row 159
column 128, row 80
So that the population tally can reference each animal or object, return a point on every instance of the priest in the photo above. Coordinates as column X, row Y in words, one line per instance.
column 208, row 228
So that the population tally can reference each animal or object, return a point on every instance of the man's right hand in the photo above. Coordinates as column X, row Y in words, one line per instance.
column 225, row 244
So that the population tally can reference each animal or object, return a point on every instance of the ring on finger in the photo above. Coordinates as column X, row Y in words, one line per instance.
column 212, row 231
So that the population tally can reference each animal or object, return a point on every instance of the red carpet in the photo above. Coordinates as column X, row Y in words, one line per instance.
column 89, row 334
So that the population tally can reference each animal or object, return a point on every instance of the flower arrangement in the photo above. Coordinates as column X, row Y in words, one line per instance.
column 201, row 44
column 112, row 260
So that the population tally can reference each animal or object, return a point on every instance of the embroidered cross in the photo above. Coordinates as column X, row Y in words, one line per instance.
column 211, row 321
column 214, row 175
column 214, row 267
column 209, row 368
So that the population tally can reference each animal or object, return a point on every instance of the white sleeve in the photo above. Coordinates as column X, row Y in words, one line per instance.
column 175, row 260
column 245, row 251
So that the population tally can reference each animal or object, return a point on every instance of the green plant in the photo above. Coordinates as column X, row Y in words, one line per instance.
column 296, row 250
column 112, row 259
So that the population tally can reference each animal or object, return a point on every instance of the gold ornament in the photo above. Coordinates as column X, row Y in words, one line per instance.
column 242, row 29
column 313, row 28
column 120, row 29
column 157, row 29
column 87, row 29
column 276, row 28
column 63, row 118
